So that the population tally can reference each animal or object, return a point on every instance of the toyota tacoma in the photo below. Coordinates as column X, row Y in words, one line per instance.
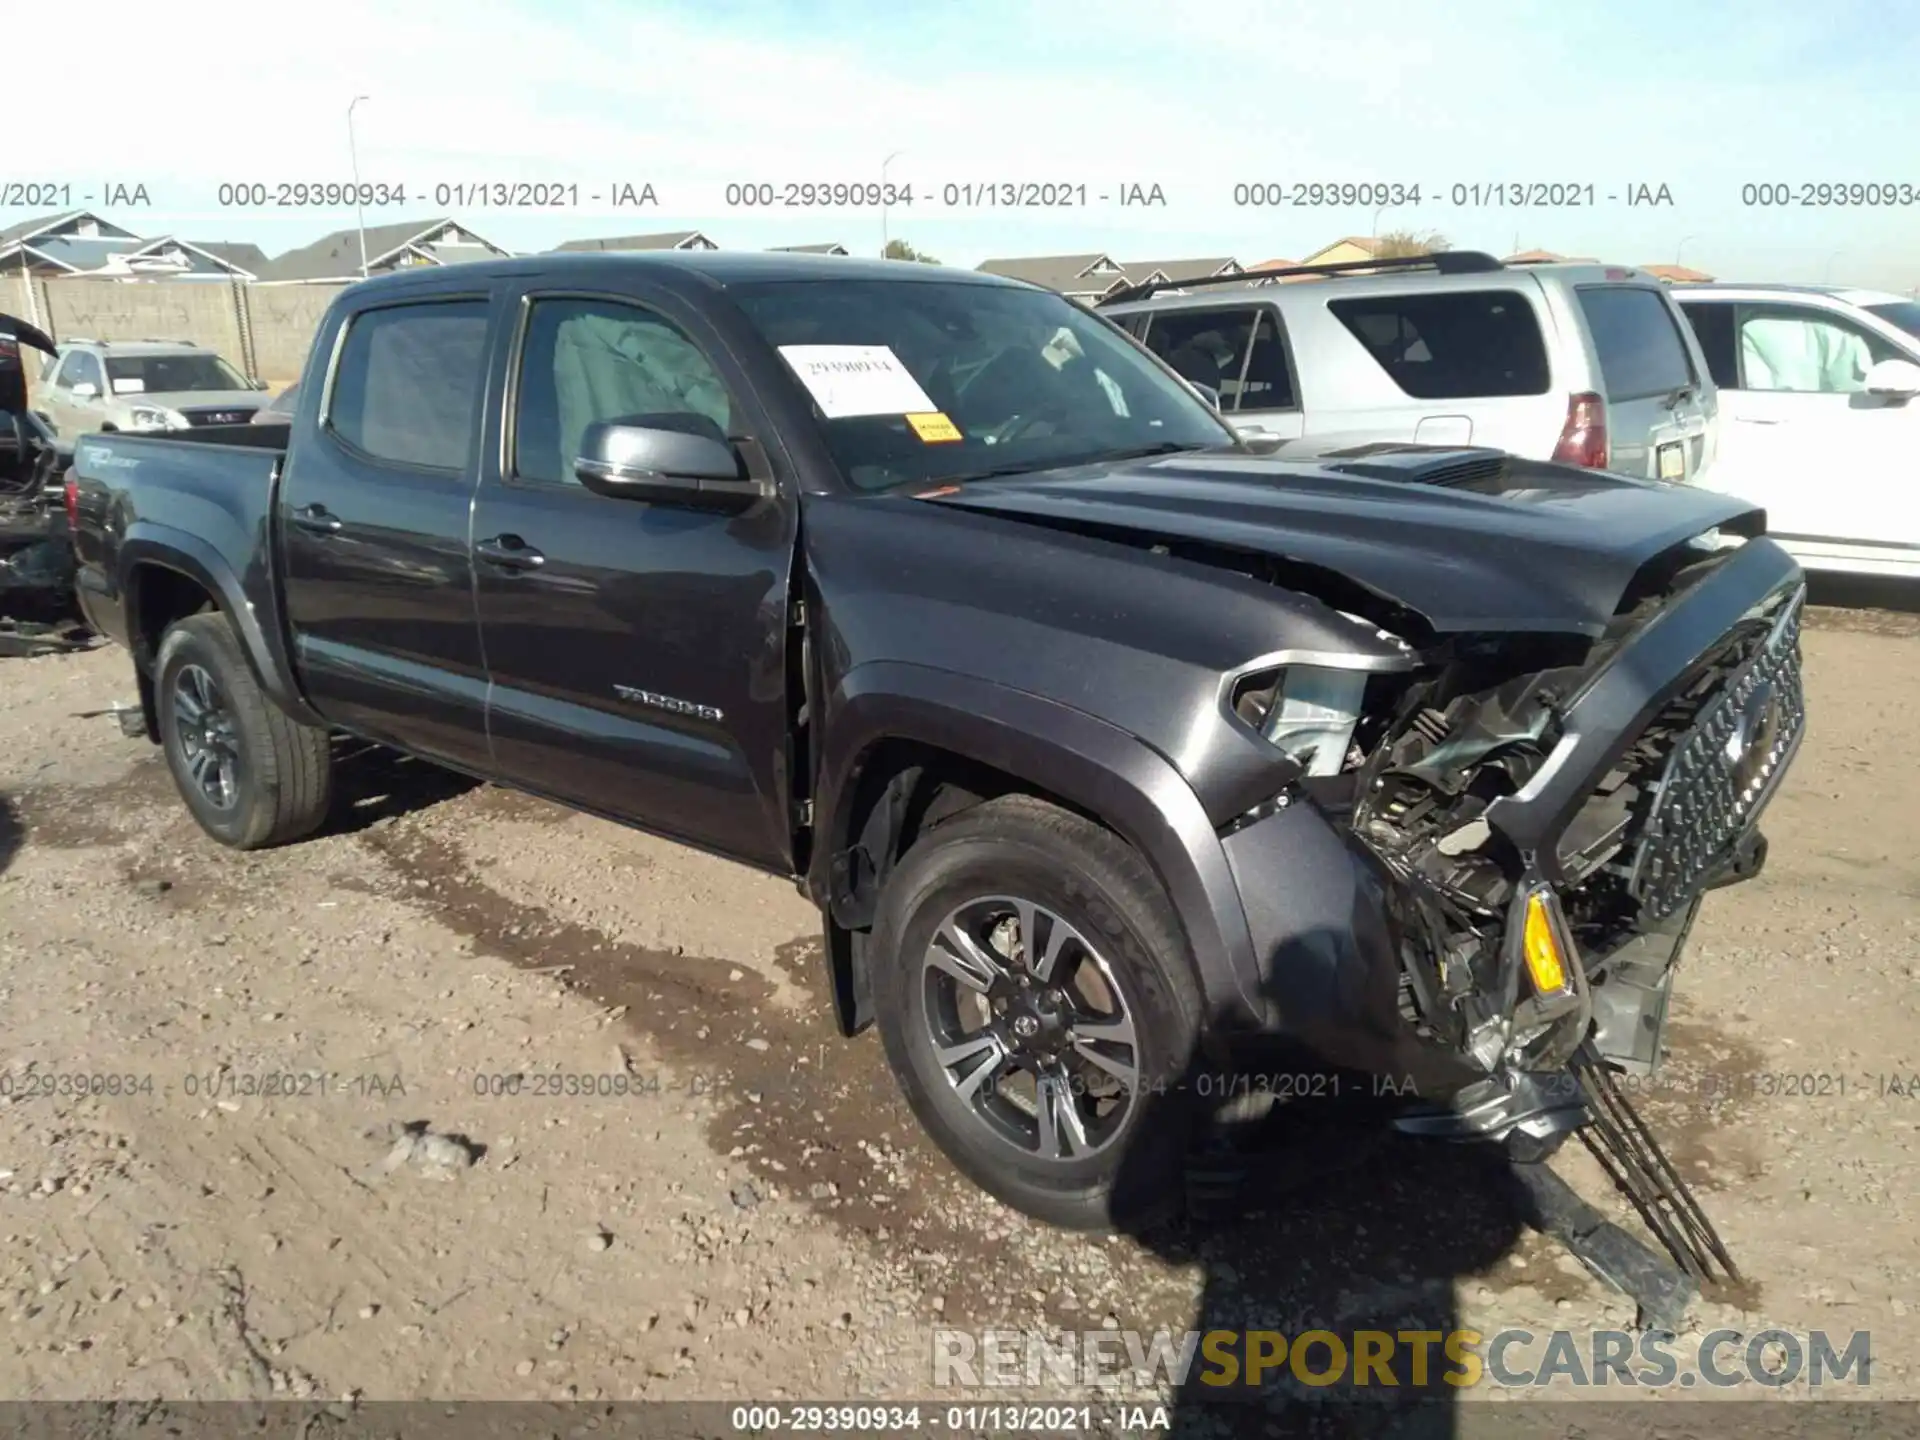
column 1108, row 748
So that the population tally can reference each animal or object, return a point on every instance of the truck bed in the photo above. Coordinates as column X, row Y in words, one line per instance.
column 205, row 494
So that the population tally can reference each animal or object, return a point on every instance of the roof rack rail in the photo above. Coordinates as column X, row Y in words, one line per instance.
column 1444, row 262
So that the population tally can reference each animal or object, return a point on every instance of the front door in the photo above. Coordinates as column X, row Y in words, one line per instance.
column 638, row 652
column 373, row 517
column 74, row 400
column 1833, row 465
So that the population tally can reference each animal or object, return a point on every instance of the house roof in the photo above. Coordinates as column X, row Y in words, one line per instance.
column 1680, row 274
column 667, row 240
column 1366, row 244
column 832, row 247
column 84, row 254
column 336, row 256
column 237, row 253
column 1065, row 273
column 40, row 224
column 1140, row 270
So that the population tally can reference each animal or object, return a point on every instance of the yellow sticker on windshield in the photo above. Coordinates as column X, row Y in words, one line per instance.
column 935, row 428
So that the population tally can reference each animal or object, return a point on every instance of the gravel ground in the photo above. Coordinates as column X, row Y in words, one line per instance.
column 757, row 1216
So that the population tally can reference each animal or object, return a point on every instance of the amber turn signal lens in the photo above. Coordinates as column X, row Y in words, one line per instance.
column 1544, row 961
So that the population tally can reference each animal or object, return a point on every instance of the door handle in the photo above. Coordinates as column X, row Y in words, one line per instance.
column 509, row 552
column 1752, row 420
column 316, row 519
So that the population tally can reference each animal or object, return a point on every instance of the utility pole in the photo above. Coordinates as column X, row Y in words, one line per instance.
column 359, row 208
column 884, row 241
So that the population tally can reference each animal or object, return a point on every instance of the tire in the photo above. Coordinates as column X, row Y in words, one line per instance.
column 1127, row 1171
column 281, row 771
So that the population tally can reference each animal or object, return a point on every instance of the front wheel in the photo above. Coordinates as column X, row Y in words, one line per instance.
column 1038, row 1006
column 251, row 775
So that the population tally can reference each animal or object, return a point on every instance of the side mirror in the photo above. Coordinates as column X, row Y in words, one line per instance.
column 665, row 467
column 1206, row 393
column 1895, row 379
column 86, row 389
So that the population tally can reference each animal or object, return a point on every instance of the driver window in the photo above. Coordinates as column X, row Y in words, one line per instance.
column 586, row 361
column 1207, row 347
column 69, row 371
column 1800, row 350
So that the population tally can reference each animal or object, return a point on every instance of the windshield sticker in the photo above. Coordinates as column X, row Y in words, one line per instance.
column 847, row 380
column 129, row 387
column 934, row 428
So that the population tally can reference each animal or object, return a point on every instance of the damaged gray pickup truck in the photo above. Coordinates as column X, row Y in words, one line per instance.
column 1108, row 747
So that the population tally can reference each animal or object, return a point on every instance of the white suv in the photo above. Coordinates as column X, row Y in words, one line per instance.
column 1583, row 363
column 1820, row 394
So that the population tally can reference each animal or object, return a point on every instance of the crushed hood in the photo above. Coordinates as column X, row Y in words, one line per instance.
column 1468, row 539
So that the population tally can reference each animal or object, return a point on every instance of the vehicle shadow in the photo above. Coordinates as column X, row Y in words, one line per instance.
column 1320, row 1217
column 373, row 784
column 12, row 835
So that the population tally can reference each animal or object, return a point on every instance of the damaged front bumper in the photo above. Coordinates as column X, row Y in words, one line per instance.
column 1470, row 969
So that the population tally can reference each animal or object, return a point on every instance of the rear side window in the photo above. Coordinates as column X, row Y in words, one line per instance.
column 1451, row 345
column 1639, row 345
column 409, row 383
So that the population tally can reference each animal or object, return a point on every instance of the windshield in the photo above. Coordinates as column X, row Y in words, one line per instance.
column 923, row 382
column 1904, row 313
column 167, row 374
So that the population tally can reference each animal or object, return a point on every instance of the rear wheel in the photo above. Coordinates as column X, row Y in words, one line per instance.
column 1038, row 1007
column 251, row 775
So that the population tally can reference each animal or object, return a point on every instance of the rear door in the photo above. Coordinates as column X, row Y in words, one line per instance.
column 373, row 520
column 1833, row 465
column 1658, row 404
column 1241, row 352
column 637, row 652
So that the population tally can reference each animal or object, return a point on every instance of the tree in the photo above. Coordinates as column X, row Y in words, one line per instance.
column 901, row 250
column 1396, row 244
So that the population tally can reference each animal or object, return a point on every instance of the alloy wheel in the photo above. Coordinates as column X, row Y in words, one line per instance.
column 1030, row 1027
column 209, row 740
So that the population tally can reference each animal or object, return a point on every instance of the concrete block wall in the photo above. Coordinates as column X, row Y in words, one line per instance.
column 281, row 319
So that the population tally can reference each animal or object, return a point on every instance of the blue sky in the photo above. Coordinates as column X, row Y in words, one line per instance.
column 1699, row 96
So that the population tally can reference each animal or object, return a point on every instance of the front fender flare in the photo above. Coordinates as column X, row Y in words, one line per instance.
column 1105, row 771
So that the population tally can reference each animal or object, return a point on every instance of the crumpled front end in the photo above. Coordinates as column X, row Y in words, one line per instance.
column 1528, row 829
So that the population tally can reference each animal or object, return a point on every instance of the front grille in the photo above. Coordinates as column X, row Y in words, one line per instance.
column 1719, row 772
column 217, row 417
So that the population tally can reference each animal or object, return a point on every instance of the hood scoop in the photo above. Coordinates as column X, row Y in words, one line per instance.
column 1421, row 465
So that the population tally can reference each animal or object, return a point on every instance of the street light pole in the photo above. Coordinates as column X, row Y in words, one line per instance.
column 1681, row 246
column 1827, row 274
column 359, row 208
column 884, row 241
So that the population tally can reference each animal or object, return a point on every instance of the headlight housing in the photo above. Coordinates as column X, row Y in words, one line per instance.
column 1308, row 712
column 155, row 417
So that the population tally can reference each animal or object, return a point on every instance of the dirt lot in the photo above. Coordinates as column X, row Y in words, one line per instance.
column 758, row 1217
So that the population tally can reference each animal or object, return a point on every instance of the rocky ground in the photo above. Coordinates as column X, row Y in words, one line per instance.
column 473, row 1098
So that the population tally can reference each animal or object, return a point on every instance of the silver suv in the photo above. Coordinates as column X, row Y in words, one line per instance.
column 1583, row 363
column 142, row 385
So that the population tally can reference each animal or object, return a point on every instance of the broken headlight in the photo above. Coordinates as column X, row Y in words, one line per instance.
column 1308, row 712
